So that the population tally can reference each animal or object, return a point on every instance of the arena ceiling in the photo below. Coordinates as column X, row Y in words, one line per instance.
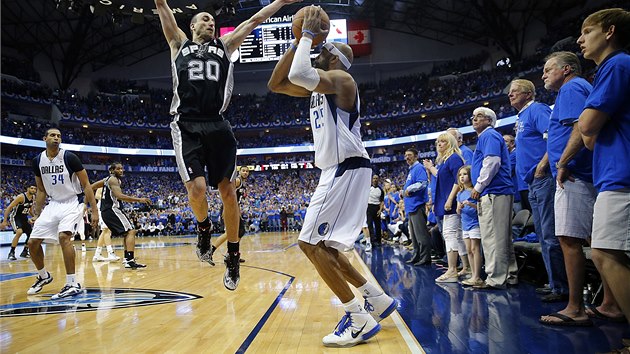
column 74, row 33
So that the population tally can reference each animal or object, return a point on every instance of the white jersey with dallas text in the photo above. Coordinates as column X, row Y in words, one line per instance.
column 336, row 133
column 59, row 175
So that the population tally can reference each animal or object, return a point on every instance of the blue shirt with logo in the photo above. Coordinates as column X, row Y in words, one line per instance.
column 467, row 154
column 415, row 200
column 470, row 220
column 569, row 105
column 531, row 125
column 490, row 143
column 611, row 94
column 446, row 178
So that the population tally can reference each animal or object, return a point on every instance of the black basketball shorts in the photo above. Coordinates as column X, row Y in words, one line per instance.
column 201, row 145
column 116, row 221
column 21, row 222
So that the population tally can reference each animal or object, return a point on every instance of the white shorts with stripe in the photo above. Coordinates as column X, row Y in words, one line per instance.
column 58, row 217
column 336, row 211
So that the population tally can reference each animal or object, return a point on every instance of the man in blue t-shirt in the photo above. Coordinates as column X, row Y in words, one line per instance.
column 415, row 194
column 467, row 154
column 492, row 183
column 570, row 164
column 605, row 128
column 532, row 165
column 521, row 191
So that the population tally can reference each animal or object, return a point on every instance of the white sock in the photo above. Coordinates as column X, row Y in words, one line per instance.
column 43, row 273
column 98, row 251
column 370, row 290
column 110, row 249
column 353, row 306
column 71, row 279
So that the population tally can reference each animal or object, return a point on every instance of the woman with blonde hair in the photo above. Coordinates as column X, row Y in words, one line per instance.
column 448, row 163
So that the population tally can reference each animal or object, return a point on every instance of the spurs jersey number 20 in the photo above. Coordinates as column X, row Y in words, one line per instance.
column 59, row 175
column 202, row 80
column 336, row 133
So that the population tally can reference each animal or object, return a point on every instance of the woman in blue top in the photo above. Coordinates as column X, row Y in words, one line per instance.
column 467, row 208
column 449, row 161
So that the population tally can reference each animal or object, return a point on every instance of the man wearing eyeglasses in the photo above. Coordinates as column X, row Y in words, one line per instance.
column 336, row 211
column 532, row 165
column 493, row 186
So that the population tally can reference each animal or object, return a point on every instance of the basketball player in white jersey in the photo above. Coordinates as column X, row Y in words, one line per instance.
column 202, row 137
column 59, row 175
column 336, row 212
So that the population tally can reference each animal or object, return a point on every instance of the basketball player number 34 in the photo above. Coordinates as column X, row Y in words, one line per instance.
column 57, row 178
column 318, row 115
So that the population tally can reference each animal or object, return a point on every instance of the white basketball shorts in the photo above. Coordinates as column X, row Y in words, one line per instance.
column 337, row 209
column 58, row 217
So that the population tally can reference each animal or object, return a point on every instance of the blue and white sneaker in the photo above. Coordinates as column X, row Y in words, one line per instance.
column 354, row 328
column 39, row 284
column 68, row 291
column 380, row 307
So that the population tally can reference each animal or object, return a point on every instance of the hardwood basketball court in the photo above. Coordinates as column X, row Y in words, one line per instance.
column 179, row 305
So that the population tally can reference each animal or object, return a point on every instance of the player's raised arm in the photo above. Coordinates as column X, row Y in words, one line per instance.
column 279, row 80
column 331, row 76
column 234, row 39
column 174, row 35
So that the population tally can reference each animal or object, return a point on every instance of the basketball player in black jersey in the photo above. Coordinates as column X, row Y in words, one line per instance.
column 17, row 213
column 239, row 185
column 112, row 214
column 202, row 138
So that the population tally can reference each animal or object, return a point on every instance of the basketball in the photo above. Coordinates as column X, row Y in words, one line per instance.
column 298, row 18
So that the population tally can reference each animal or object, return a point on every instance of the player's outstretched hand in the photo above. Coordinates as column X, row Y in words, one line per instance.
column 313, row 21
column 145, row 200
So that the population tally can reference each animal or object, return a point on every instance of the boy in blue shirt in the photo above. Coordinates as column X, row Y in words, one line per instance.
column 605, row 128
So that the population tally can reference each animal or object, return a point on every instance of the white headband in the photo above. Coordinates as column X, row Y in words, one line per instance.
column 336, row 52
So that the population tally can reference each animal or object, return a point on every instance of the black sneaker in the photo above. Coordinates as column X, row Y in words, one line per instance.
column 232, row 276
column 25, row 254
column 240, row 260
column 132, row 264
column 12, row 256
column 205, row 249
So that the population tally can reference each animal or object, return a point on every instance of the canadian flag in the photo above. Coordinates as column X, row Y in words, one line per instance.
column 359, row 38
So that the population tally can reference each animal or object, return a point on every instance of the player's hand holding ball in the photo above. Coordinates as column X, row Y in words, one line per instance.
column 311, row 20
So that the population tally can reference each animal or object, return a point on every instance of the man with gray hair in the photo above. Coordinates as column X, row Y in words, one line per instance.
column 467, row 154
column 571, row 166
column 532, row 165
column 493, row 185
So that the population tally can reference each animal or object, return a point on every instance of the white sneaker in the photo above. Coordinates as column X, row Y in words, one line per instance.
column 380, row 307
column 39, row 284
column 353, row 329
column 98, row 258
column 67, row 291
column 368, row 247
column 112, row 257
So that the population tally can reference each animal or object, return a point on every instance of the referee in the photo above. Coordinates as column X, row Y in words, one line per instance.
column 375, row 207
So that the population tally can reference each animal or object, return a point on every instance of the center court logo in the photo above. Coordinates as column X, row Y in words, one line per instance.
column 323, row 229
column 94, row 299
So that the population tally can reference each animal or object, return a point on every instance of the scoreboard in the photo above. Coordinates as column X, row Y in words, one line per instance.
column 269, row 41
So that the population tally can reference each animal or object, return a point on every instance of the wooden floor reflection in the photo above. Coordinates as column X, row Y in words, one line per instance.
column 179, row 305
